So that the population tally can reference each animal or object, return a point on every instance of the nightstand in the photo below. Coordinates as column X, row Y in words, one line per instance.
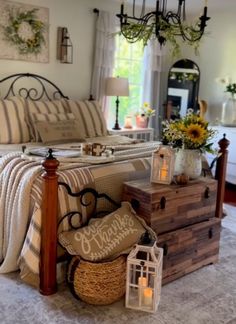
column 146, row 134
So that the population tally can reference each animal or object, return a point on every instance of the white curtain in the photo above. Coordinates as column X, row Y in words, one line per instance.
column 152, row 67
column 104, row 53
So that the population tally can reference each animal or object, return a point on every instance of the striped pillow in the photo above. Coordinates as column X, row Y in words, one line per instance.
column 90, row 117
column 42, row 107
column 13, row 127
column 49, row 118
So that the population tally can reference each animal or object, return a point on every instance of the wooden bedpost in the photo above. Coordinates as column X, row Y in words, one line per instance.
column 48, row 255
column 220, row 174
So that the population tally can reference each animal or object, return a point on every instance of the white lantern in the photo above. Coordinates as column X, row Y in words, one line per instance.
column 163, row 163
column 144, row 277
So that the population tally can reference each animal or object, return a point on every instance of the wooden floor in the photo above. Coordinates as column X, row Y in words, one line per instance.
column 230, row 194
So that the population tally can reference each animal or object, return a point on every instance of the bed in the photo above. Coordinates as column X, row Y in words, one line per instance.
column 31, row 203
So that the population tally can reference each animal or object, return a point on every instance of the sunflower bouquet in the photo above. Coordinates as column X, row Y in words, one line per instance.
column 189, row 132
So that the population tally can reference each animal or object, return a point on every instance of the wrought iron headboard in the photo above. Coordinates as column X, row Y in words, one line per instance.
column 45, row 89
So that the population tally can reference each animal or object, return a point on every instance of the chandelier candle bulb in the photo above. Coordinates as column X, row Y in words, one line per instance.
column 122, row 8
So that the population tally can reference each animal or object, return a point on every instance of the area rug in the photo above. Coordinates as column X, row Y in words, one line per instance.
column 207, row 296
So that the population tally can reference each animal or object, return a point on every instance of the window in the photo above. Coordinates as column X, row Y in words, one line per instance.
column 128, row 64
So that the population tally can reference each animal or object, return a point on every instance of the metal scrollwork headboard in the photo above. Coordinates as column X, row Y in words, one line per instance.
column 37, row 87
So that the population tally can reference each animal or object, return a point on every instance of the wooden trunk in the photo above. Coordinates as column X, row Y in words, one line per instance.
column 189, row 248
column 169, row 207
column 184, row 219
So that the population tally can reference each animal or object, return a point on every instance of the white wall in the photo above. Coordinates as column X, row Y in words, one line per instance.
column 217, row 57
column 217, row 52
column 78, row 16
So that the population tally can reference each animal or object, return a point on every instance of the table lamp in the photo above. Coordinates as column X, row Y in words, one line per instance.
column 117, row 87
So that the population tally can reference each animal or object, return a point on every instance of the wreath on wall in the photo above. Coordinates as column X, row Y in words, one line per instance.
column 25, row 31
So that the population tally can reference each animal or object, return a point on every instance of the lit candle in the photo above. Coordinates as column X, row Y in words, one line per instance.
column 128, row 122
column 147, row 296
column 142, row 283
column 164, row 170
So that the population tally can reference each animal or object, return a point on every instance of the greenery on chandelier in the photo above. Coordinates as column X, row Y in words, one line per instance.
column 169, row 34
column 14, row 31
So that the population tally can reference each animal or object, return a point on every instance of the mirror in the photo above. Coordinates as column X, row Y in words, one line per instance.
column 183, row 86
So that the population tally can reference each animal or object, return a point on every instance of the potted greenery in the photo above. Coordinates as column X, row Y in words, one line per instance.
column 228, row 115
column 144, row 115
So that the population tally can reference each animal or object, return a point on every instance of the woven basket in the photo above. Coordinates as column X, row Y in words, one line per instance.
column 98, row 283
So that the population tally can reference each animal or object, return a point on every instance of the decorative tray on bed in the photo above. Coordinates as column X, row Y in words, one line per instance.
column 68, row 155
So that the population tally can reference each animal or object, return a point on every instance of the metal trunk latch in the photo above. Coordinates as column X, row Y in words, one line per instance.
column 162, row 203
column 207, row 193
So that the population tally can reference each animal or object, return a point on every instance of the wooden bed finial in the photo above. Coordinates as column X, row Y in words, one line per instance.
column 220, row 174
column 48, row 255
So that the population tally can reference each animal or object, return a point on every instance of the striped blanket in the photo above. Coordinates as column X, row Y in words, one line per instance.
column 21, row 196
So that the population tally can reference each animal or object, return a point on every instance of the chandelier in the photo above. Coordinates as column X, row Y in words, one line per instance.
column 163, row 23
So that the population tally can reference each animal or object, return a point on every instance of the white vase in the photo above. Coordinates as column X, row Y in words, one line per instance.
column 188, row 162
column 228, row 114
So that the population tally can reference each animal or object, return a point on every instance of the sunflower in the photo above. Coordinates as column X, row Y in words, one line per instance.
column 196, row 133
column 189, row 132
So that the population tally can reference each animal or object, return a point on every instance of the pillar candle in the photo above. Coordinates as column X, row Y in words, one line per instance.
column 147, row 296
column 128, row 122
column 164, row 171
column 142, row 283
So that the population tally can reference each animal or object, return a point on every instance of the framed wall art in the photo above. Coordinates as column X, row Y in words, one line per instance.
column 24, row 32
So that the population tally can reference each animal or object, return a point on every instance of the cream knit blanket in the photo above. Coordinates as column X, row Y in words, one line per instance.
column 16, row 179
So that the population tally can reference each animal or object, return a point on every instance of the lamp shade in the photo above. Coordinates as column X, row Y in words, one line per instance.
column 117, row 87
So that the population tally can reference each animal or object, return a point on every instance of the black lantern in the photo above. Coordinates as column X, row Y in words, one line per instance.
column 65, row 49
